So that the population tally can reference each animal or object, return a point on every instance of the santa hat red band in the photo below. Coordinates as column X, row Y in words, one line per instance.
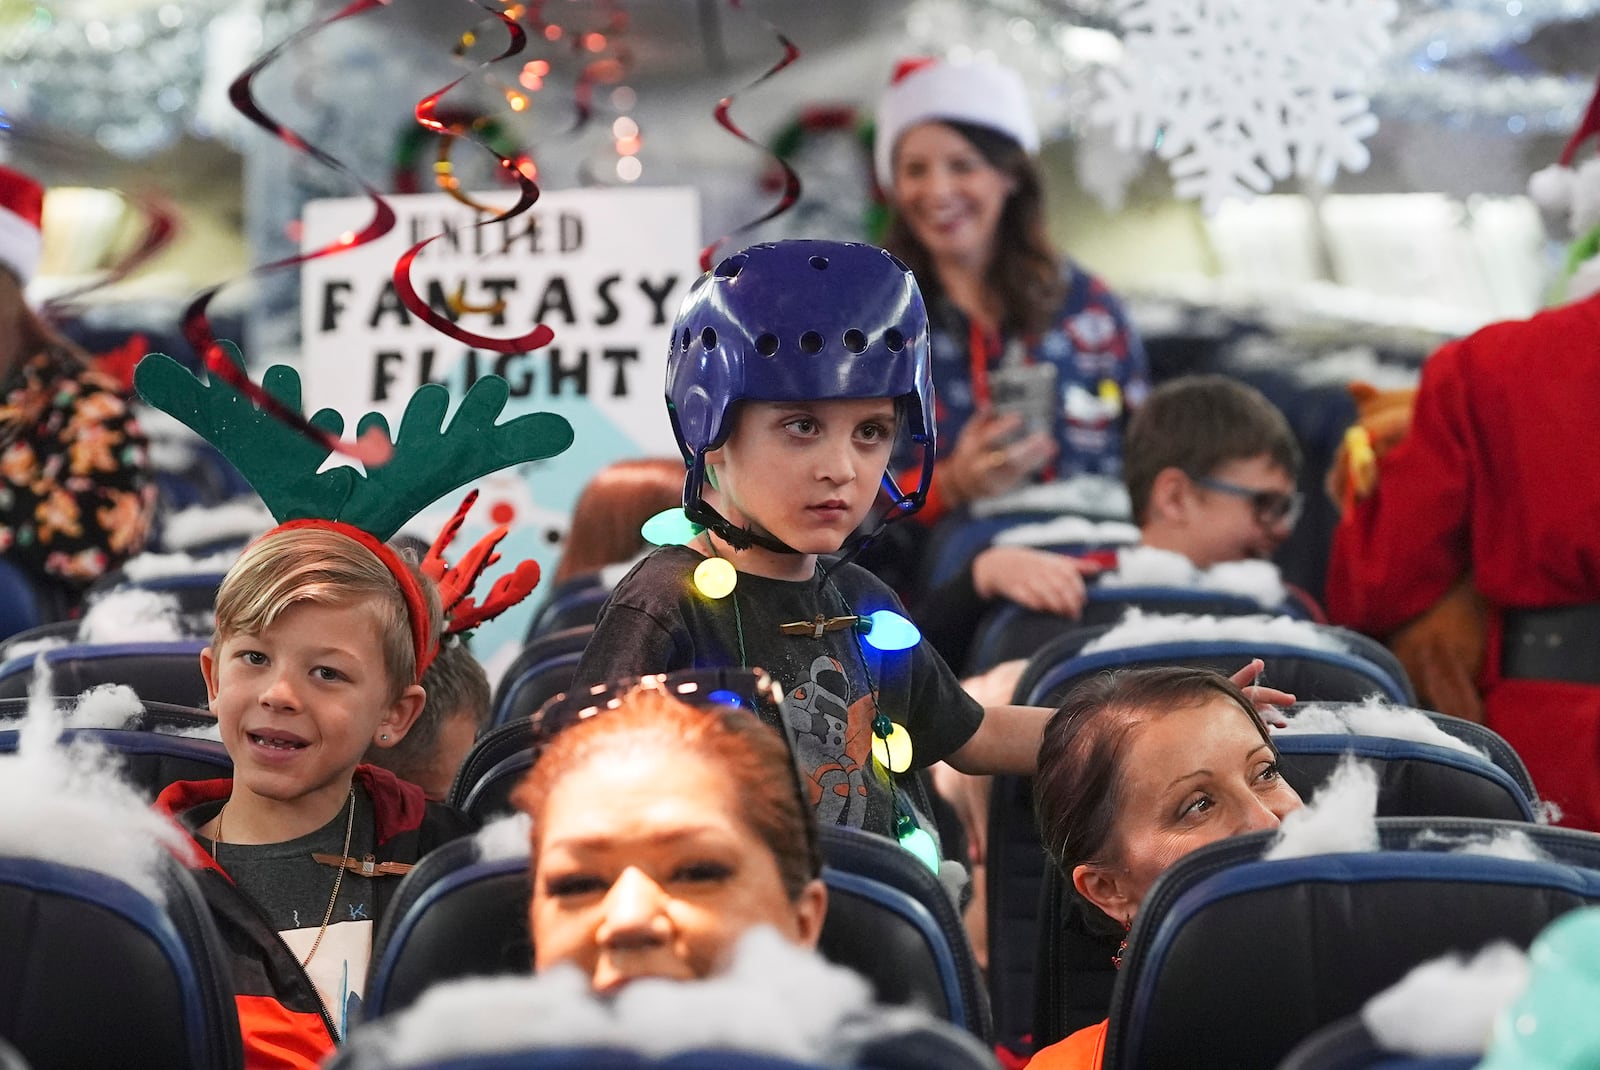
column 416, row 604
column 926, row 89
column 21, row 213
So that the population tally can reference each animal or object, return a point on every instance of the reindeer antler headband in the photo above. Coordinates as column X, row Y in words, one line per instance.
column 429, row 461
column 461, row 612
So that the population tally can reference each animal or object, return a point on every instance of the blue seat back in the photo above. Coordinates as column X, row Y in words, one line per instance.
column 157, row 672
column 22, row 604
column 1363, row 668
column 541, row 670
column 1414, row 779
column 96, row 974
column 574, row 602
column 1321, row 934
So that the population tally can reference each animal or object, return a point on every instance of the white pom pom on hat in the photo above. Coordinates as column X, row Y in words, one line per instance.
column 21, row 212
column 928, row 89
column 1554, row 188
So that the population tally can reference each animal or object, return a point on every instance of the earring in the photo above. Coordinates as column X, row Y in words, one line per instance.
column 1116, row 960
column 384, row 737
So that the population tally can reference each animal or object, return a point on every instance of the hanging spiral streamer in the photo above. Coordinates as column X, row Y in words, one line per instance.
column 373, row 446
column 160, row 223
column 791, row 180
column 428, row 114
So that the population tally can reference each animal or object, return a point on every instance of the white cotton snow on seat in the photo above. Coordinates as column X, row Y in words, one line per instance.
column 1138, row 628
column 1069, row 529
column 1341, row 817
column 200, row 525
column 132, row 615
column 504, row 837
column 1448, row 1005
column 751, row 1007
column 1146, row 566
column 1375, row 717
column 146, row 567
column 69, row 804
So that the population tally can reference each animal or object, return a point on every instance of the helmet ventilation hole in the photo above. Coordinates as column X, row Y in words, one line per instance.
column 855, row 341
column 819, row 262
column 894, row 340
column 811, row 342
column 730, row 267
column 767, row 344
column 708, row 338
column 683, row 343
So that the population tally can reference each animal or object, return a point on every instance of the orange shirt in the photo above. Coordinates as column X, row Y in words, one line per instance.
column 1083, row 1050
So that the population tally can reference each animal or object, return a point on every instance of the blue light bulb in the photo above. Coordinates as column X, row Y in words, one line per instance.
column 888, row 630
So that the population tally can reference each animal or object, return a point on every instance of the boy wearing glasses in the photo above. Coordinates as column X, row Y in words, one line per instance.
column 1211, row 467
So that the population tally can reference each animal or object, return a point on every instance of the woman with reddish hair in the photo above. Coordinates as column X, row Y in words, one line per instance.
column 677, row 901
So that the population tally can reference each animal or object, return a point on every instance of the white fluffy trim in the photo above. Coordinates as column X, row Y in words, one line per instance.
column 1139, row 629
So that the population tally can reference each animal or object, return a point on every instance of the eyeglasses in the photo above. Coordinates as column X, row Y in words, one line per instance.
column 1271, row 507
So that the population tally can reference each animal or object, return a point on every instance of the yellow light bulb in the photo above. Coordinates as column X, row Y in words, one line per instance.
column 715, row 577
column 894, row 750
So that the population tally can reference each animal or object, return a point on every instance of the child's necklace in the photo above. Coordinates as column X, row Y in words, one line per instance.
column 349, row 827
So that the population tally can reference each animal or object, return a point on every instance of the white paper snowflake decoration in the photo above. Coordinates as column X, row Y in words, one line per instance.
column 1239, row 94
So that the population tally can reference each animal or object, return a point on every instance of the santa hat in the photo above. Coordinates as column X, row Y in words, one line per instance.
column 21, row 210
column 1561, row 189
column 923, row 89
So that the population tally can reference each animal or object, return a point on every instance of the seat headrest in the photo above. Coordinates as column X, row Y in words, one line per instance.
column 1322, row 933
column 153, row 972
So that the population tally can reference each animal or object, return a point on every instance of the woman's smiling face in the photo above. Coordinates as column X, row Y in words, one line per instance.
column 1191, row 776
column 643, row 867
column 949, row 194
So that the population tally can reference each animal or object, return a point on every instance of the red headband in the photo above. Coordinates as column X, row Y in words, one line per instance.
column 416, row 603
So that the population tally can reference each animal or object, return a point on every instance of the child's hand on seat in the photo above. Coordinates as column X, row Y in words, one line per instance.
column 1040, row 580
column 1268, row 701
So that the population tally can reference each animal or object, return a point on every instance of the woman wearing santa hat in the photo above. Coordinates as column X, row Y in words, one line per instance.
column 1035, row 364
column 74, row 497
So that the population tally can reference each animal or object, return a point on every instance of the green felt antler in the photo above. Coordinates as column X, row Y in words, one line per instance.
column 431, row 460
column 275, row 459
column 281, row 463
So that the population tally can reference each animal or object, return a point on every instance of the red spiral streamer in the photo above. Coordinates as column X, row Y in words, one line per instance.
column 428, row 115
column 373, row 447
column 791, row 180
column 161, row 222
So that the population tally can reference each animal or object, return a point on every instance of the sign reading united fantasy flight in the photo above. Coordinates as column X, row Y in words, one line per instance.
column 605, row 269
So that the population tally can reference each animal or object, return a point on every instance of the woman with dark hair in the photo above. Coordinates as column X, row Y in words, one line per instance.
column 75, row 500
column 1034, row 362
column 1137, row 769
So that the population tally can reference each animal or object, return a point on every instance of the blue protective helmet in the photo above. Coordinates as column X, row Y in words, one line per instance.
column 798, row 321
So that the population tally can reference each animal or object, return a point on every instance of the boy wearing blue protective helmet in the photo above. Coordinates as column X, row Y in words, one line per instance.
column 793, row 368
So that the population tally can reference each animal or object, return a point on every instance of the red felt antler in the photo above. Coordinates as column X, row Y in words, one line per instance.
column 455, row 583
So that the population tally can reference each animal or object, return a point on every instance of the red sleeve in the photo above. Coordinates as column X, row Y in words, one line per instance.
column 1398, row 551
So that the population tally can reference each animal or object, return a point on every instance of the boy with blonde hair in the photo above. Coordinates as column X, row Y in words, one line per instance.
column 320, row 640
column 323, row 633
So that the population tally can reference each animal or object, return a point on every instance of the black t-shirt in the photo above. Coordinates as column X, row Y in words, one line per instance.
column 656, row 622
column 293, row 890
